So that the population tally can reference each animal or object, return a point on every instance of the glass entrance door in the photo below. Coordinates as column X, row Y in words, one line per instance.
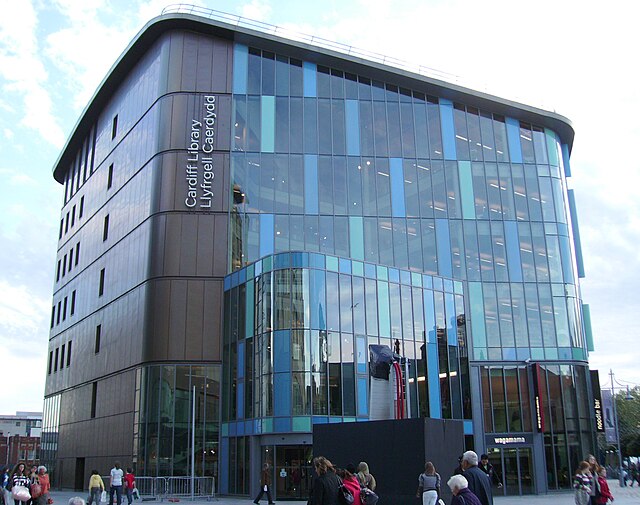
column 292, row 472
column 514, row 467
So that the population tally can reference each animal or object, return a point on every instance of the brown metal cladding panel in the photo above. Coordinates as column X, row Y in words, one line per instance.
column 204, row 259
column 156, row 257
column 223, row 123
column 165, row 107
column 222, row 58
column 189, row 61
column 157, row 343
column 195, row 315
column 172, row 245
column 174, row 78
column 177, row 319
column 188, row 244
column 212, row 341
column 180, row 121
column 220, row 246
column 165, row 166
column 205, row 63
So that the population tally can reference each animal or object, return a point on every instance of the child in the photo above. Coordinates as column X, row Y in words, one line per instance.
column 582, row 482
column 605, row 494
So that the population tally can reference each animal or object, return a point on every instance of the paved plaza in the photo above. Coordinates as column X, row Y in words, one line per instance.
column 623, row 496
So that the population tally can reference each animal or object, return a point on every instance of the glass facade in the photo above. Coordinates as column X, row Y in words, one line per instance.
column 364, row 212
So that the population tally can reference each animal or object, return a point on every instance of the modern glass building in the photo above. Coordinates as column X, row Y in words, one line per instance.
column 244, row 215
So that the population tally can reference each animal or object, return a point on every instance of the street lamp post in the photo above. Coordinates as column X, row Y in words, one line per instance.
column 615, row 416
column 8, row 447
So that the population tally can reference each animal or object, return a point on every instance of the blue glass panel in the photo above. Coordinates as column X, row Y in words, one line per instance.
column 320, row 420
column 240, row 64
column 224, row 468
column 242, row 276
column 429, row 316
column 447, row 285
column 309, row 79
column 438, row 285
column 362, row 355
column 448, row 130
column 509, row 353
column 476, row 302
column 357, row 268
column 513, row 251
column 248, row 427
column 363, row 405
column 240, row 360
column 405, row 277
column 513, row 137
column 282, row 351
column 234, row 279
column 352, row 118
column 451, row 319
column 227, row 283
column 416, row 279
column 552, row 147
column 369, row 271
column 282, row 425
column 397, row 188
column 317, row 288
column 443, row 248
column 565, row 256
column 249, row 308
column 466, row 190
column 565, row 160
column 523, row 353
column 232, row 429
column 468, row 427
column 266, row 234
column 345, row 266
column 383, row 273
column 356, row 237
column 282, row 396
column 433, row 381
column 394, row 275
column 384, row 321
column 576, row 233
column 310, row 184
column 332, row 263
column 427, row 281
column 240, row 403
column 267, row 123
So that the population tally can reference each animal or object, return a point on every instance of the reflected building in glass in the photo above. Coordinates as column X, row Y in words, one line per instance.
column 244, row 215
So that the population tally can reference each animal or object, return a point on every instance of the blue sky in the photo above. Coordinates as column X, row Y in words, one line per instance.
column 575, row 57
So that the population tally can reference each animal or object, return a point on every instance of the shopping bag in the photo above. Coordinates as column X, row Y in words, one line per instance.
column 20, row 493
column 103, row 497
column 135, row 493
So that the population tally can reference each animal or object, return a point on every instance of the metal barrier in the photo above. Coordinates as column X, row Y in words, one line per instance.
column 161, row 488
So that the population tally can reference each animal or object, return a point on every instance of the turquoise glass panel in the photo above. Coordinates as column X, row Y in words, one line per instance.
column 356, row 237
column 249, row 308
column 565, row 160
column 588, row 332
column 513, row 251
column 448, row 130
column 466, row 190
column 397, row 187
column 357, row 268
column 302, row 423
column 266, row 234
column 240, row 64
column 309, row 79
column 310, row 184
column 363, row 404
column 352, row 118
column 267, row 124
column 435, row 406
column 476, row 302
column 552, row 147
column 565, row 256
column 513, row 138
column 443, row 247
column 576, row 233
column 332, row 263
column 384, row 321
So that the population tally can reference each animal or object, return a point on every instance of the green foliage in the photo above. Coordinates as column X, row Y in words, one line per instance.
column 629, row 421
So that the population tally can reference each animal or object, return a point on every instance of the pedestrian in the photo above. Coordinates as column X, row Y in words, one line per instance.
column 478, row 481
column 96, row 487
column 364, row 476
column 45, row 486
column 428, row 485
column 488, row 468
column 583, row 483
column 5, row 482
column 327, row 485
column 458, row 469
column 350, row 481
column 129, row 484
column 605, row 493
column 19, row 477
column 594, row 468
column 462, row 495
column 115, row 483
column 34, row 488
column 265, row 484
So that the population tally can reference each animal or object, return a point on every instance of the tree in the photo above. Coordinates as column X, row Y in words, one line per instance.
column 628, row 406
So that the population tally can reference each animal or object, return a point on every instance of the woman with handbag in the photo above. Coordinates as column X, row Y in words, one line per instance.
column 45, row 486
column 350, row 481
column 429, row 485
column 20, row 484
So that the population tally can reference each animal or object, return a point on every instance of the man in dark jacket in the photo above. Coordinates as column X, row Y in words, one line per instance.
column 487, row 468
column 479, row 483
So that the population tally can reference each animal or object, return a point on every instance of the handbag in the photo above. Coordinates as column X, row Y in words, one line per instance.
column 344, row 495
column 368, row 497
column 103, row 497
column 36, row 490
column 49, row 501
column 20, row 493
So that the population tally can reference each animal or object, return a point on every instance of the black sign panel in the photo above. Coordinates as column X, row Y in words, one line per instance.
column 598, row 411
column 508, row 439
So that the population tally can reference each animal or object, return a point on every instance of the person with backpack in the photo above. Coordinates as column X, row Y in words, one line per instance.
column 364, row 476
column 350, row 481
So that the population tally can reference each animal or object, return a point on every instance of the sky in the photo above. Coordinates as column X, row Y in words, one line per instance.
column 578, row 58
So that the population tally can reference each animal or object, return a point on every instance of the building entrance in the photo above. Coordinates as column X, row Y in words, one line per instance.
column 292, row 470
column 514, row 467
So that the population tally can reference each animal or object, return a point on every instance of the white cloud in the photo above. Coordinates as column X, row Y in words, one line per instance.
column 23, row 70
column 8, row 133
column 258, row 10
